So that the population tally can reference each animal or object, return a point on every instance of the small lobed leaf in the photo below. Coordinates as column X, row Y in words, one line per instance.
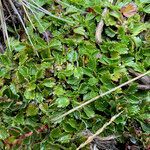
column 29, row 95
column 62, row 102
column 89, row 111
column 78, row 72
column 65, row 138
column 58, row 90
column 80, row 30
column 3, row 133
column 32, row 110
column 48, row 83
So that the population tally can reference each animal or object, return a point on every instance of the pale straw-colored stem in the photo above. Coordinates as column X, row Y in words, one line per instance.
column 99, row 131
column 99, row 96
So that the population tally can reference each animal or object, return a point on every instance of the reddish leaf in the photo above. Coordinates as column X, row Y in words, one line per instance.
column 129, row 10
column 90, row 10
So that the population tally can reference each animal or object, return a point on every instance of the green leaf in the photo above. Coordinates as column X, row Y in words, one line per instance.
column 101, row 105
column 145, row 127
column 109, row 20
column 23, row 71
column 31, row 86
column 78, row 72
column 3, row 72
column 32, row 110
column 56, row 133
column 58, row 90
column 110, row 32
column 13, row 89
column 3, row 133
column 68, row 128
column 92, row 81
column 44, row 107
column 19, row 119
column 65, row 139
column 55, row 44
column 80, row 30
column 73, row 123
column 29, row 95
column 89, row 111
column 49, row 83
column 90, row 95
column 139, row 28
column 39, row 97
column 20, row 47
column 5, row 60
column 133, row 110
column 62, row 102
column 147, row 9
column 121, row 48
column 72, row 56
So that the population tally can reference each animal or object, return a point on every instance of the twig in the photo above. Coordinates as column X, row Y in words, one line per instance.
column 1, row 48
column 24, row 136
column 101, row 95
column 27, row 14
column 90, row 139
column 88, row 133
column 4, row 25
column 145, row 80
column 99, row 28
column 143, row 87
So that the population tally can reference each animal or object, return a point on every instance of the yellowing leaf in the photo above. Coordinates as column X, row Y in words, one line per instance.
column 32, row 110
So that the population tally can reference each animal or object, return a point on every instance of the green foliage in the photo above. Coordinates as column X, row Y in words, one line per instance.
column 71, row 69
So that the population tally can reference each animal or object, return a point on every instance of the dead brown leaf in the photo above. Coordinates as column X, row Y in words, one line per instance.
column 129, row 10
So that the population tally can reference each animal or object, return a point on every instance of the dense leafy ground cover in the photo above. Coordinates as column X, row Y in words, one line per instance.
column 64, row 67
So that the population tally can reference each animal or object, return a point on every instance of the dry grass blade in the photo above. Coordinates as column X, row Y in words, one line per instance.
column 2, row 19
column 22, row 22
column 10, row 15
column 87, row 133
column 27, row 14
column 39, row 8
column 3, row 25
column 101, row 95
column 1, row 48
column 90, row 139
column 33, row 12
